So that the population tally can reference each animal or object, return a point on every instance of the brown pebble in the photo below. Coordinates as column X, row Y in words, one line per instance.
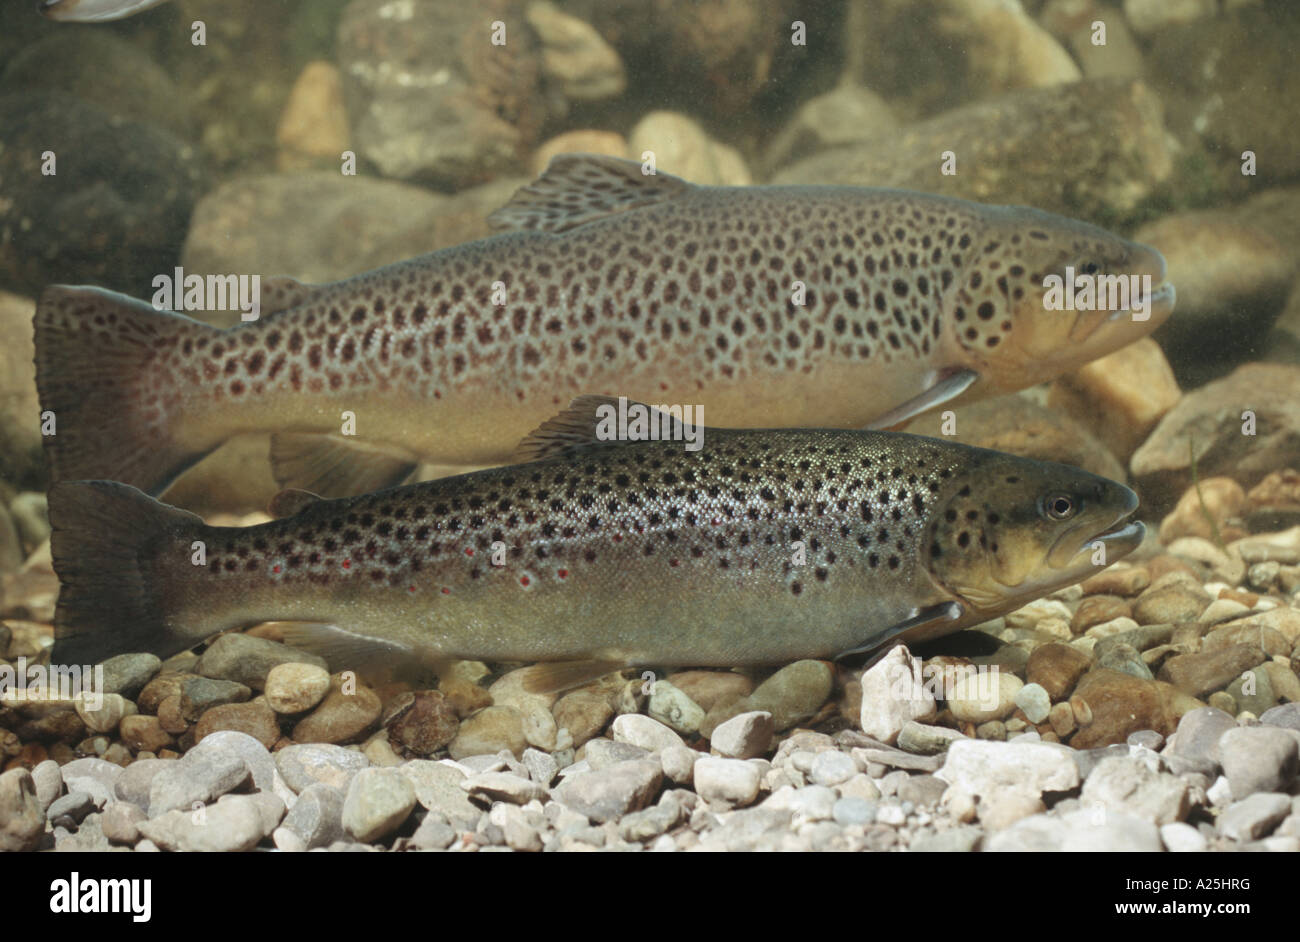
column 1247, row 599
column 159, row 689
column 171, row 716
column 1160, row 566
column 1056, row 667
column 1117, row 581
column 254, row 718
column 142, row 732
column 1095, row 609
column 422, row 722
column 346, row 714
column 1206, row 671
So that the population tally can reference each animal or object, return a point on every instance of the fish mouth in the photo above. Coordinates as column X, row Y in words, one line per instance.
column 1069, row 554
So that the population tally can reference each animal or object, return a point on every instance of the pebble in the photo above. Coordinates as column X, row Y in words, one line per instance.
column 504, row 786
column 1179, row 837
column 793, row 694
column 1206, row 671
column 1253, row 817
column 672, row 707
column 584, row 714
column 650, row 734
column 48, row 781
column 1259, row 759
column 1034, row 701
column 378, row 802
column 542, row 767
column 1287, row 716
column 1121, row 579
column 894, row 694
column 1221, row 498
column 1097, row 609
column 69, row 810
column 959, row 840
column 606, row 794
column 924, row 740
column 307, row 764
column 850, row 811
column 711, row 688
column 92, row 775
column 144, row 733
column 136, row 781
column 679, row 764
column 346, row 714
column 1174, row 597
column 248, row 660
column 1078, row 831
column 734, row 782
column 1199, row 732
column 295, row 687
column 127, row 674
column 602, row 753
column 810, row 803
column 437, row 788
column 745, row 736
column 233, row 825
column 650, row 823
column 1132, row 786
column 196, row 778
column 434, row 833
column 1056, row 668
column 102, row 713
column 121, row 822
column 985, row 696
column 254, row 719
column 424, row 721
column 1268, row 640
column 832, row 768
column 983, row 768
column 200, row 694
column 1252, row 692
column 1028, row 616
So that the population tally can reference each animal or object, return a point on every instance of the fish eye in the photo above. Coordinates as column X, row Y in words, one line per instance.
column 1059, row 506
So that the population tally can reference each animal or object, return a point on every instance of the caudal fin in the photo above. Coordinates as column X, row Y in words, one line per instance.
column 111, row 410
column 107, row 541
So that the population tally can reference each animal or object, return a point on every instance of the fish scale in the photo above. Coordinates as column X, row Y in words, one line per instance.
column 772, row 544
column 610, row 282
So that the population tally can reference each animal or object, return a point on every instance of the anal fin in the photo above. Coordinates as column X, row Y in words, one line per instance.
column 946, row 389
column 332, row 467
column 932, row 616
column 343, row 649
column 556, row 676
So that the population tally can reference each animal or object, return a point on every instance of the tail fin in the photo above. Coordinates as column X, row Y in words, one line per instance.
column 106, row 540
column 113, row 412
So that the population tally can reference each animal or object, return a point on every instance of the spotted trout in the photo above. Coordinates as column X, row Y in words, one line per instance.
column 94, row 11
column 761, row 547
column 785, row 306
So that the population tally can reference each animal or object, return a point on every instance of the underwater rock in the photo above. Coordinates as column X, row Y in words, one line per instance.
column 1210, row 426
column 1232, row 280
column 113, row 221
column 21, row 460
column 1010, row 149
column 1203, row 509
column 429, row 94
column 1151, row 16
column 1120, row 397
column 1071, row 21
column 586, row 141
column 575, row 58
column 313, row 128
column 683, row 148
column 848, row 114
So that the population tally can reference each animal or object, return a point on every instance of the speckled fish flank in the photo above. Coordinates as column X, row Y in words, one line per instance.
column 773, row 545
column 608, row 282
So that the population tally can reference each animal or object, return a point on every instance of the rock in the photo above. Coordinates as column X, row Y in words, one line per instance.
column 847, row 114
column 602, row 753
column 1034, row 701
column 145, row 734
column 121, row 822
column 48, row 781
column 165, row 684
column 923, row 740
column 94, row 776
column 1210, row 418
column 127, row 674
column 1006, row 162
column 1269, row 640
column 606, row 143
column 1283, row 680
column 200, row 694
column 1118, row 704
column 261, row 765
column 642, row 731
column 489, row 731
column 1078, row 831
column 651, row 822
column 712, row 688
column 745, row 736
column 196, row 779
column 437, row 788
column 1252, row 693
column 424, row 721
column 1199, row 732
column 1119, row 579
column 1182, row 838
column 22, row 818
column 959, row 840
column 1253, row 817
column 139, row 189
column 894, row 694
column 1098, row 609
column 1220, row 498
column 983, row 768
column 583, row 713
column 422, row 106
column 792, row 695
column 1121, row 657
column 575, row 58
column 1201, row 673
column 296, row 687
column 1056, row 668
column 136, row 781
column 1131, row 786
column 347, row 713
column 378, row 802
column 831, row 768
column 609, row 793
column 1171, row 598
column 233, row 825
column 980, row 697
column 313, row 127
column 672, row 707
column 318, row 763
column 732, row 782
column 1259, row 759
column 504, row 786
column 255, row 719
column 683, row 148
column 679, row 764
column 1286, row 716
column 105, row 715
column 248, row 660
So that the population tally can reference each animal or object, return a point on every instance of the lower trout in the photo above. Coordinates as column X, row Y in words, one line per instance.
column 762, row 547
column 787, row 306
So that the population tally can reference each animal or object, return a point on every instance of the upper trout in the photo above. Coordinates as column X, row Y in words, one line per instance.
column 784, row 306
column 762, row 547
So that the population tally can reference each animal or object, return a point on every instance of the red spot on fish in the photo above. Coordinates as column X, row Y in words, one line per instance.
column 523, row 580
column 468, row 551
column 563, row 573
column 275, row 569
column 446, row 591
column 410, row 588
column 717, row 521
column 672, row 562
column 347, row 564
column 618, row 538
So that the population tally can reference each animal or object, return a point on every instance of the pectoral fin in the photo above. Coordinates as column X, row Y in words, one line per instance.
column 332, row 467
column 555, row 676
column 931, row 616
column 342, row 649
column 946, row 389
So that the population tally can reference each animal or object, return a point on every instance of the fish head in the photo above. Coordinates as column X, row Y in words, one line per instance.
column 1013, row 529
column 1005, row 313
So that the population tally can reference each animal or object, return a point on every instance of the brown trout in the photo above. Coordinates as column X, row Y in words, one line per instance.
column 784, row 306
column 761, row 547
column 94, row 11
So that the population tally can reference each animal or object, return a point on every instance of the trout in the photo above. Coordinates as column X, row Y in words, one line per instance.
column 94, row 11
column 787, row 306
column 762, row 547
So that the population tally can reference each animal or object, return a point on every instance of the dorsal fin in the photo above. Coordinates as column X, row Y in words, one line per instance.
column 289, row 501
column 576, row 427
column 579, row 188
column 281, row 292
